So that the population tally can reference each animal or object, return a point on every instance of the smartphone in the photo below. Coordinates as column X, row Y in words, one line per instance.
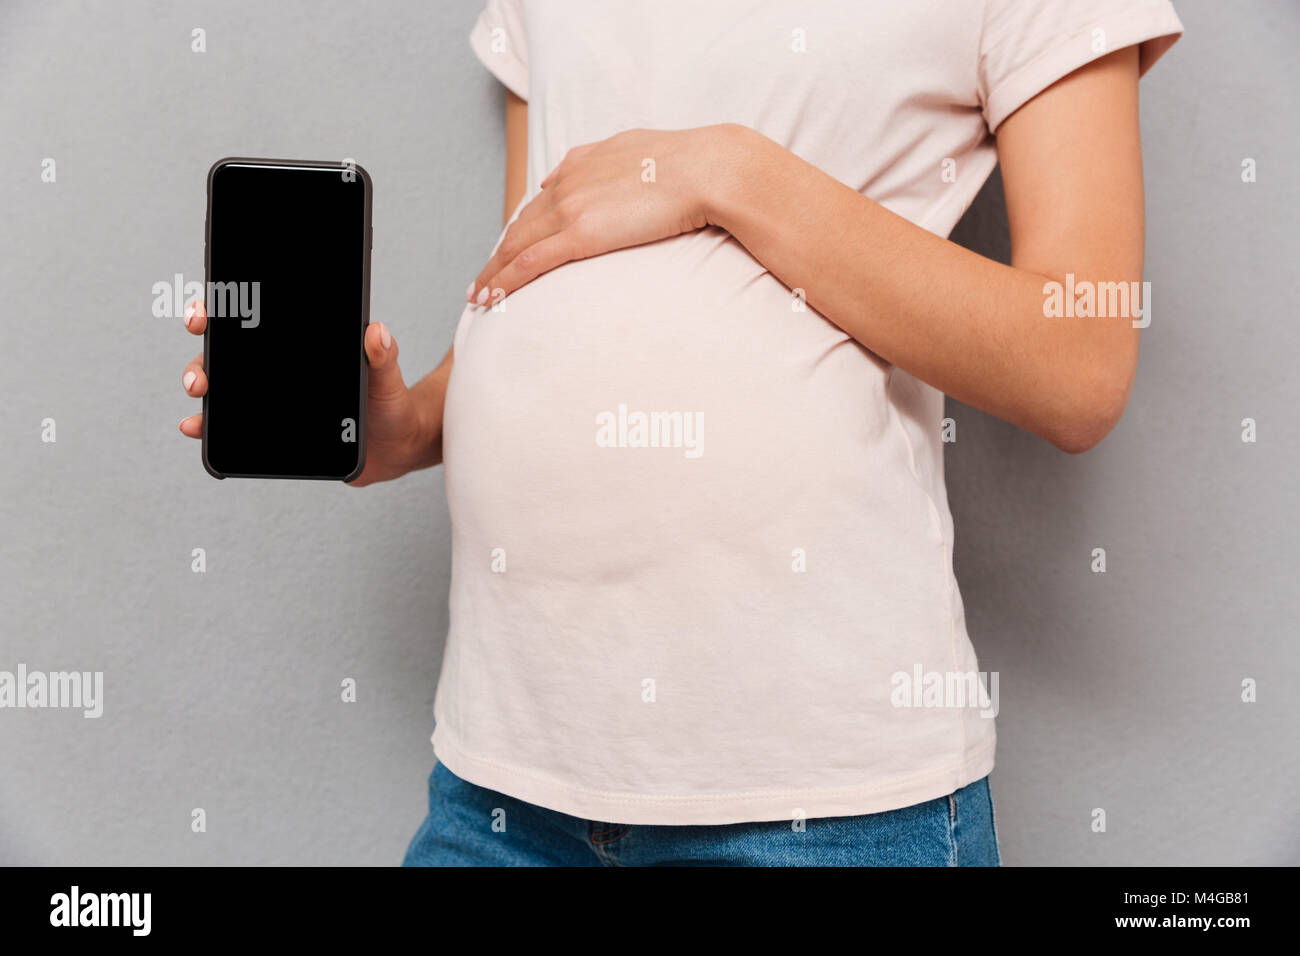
column 287, row 290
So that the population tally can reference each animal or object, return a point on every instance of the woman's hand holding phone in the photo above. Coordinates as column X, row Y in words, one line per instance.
column 399, row 437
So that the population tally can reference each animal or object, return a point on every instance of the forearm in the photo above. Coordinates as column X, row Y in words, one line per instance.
column 967, row 325
column 430, row 396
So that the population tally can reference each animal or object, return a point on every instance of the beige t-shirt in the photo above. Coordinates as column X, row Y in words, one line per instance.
column 702, row 552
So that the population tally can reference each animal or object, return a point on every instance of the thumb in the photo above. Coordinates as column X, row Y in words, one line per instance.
column 385, row 376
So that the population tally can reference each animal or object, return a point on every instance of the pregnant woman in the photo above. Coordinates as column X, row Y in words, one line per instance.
column 702, row 604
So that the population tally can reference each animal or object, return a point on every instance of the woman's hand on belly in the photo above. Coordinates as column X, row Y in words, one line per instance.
column 632, row 188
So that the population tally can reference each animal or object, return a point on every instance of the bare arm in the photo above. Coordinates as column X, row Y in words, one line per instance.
column 516, row 153
column 430, row 393
column 972, row 327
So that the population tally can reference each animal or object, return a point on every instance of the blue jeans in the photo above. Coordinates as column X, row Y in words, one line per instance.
column 469, row 825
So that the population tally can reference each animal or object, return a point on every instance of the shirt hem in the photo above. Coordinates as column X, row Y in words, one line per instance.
column 711, row 808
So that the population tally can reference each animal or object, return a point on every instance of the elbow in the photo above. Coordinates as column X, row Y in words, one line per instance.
column 1092, row 415
column 1078, row 437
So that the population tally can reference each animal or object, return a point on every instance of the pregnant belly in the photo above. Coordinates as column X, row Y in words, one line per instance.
column 672, row 397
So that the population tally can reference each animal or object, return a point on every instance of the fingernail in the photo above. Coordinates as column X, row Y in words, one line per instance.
column 469, row 293
column 189, row 378
column 384, row 337
column 189, row 316
column 482, row 296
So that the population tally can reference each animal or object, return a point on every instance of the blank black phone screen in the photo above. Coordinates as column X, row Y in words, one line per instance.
column 286, row 294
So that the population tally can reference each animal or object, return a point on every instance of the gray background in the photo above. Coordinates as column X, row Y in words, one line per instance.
column 1119, row 690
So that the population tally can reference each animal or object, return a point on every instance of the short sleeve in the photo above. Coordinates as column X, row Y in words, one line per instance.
column 1028, row 45
column 499, row 41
